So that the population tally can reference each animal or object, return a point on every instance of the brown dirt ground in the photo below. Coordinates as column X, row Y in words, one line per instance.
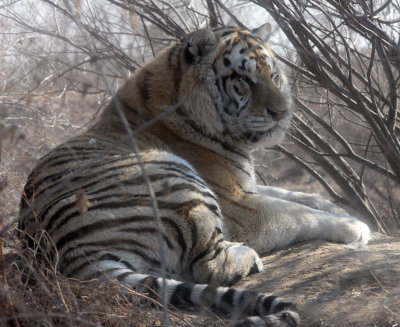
column 334, row 285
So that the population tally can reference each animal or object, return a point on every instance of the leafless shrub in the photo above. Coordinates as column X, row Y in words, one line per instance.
column 348, row 54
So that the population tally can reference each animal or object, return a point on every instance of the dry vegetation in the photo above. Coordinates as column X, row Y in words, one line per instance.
column 62, row 60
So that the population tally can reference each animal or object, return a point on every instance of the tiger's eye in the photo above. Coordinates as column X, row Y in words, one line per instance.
column 227, row 62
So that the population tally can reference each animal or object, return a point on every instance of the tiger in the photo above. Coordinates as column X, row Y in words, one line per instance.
column 160, row 192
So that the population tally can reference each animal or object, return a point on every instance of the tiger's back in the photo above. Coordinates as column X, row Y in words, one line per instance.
column 100, row 194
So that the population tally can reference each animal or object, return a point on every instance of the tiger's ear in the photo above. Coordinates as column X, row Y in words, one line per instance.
column 263, row 32
column 200, row 44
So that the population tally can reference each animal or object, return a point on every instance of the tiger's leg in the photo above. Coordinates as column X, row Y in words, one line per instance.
column 266, row 223
column 209, row 258
column 313, row 200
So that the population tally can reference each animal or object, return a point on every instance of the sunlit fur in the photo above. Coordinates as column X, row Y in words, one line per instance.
column 196, row 113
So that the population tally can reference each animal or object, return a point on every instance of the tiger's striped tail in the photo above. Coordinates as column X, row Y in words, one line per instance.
column 259, row 309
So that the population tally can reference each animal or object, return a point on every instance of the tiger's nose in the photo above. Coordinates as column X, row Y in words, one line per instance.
column 276, row 114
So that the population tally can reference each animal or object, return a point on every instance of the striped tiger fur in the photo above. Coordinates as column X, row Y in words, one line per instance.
column 224, row 96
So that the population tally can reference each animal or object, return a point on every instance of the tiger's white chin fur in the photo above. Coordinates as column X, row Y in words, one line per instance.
column 275, row 135
column 264, row 137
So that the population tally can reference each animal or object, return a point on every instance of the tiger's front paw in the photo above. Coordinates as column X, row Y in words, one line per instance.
column 227, row 266
column 246, row 258
column 352, row 231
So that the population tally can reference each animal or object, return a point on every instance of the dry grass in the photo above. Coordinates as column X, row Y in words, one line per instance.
column 36, row 295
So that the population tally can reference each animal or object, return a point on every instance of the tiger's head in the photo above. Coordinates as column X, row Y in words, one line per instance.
column 240, row 81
